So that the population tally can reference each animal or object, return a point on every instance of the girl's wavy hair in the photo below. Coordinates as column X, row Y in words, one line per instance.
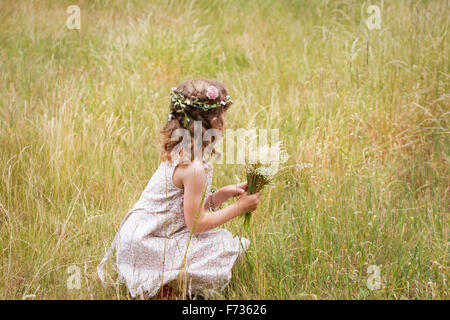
column 193, row 90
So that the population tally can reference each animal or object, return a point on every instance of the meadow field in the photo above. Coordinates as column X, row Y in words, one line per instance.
column 363, row 113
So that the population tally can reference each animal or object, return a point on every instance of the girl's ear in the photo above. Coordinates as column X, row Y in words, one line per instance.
column 215, row 121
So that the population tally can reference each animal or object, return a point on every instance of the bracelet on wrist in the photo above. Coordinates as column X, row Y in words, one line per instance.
column 211, row 204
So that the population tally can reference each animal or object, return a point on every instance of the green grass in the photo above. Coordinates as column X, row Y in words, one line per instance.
column 81, row 110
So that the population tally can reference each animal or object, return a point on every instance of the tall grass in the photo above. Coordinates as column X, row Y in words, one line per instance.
column 363, row 114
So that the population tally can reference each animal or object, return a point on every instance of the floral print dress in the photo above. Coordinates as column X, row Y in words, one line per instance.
column 153, row 246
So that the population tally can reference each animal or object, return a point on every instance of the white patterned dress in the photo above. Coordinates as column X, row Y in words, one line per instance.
column 153, row 240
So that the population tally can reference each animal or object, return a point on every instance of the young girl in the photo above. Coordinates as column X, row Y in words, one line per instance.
column 168, row 239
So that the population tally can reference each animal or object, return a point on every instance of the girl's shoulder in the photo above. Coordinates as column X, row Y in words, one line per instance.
column 189, row 173
column 194, row 167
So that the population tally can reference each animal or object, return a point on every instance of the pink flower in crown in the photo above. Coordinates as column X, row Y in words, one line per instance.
column 212, row 93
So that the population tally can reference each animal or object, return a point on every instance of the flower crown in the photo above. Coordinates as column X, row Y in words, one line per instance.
column 181, row 101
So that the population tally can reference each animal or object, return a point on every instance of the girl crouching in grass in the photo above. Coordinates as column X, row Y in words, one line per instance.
column 168, row 241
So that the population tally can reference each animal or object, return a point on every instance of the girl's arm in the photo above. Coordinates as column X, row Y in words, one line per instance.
column 198, row 219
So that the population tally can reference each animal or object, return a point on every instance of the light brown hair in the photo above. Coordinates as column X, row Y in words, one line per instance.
column 193, row 90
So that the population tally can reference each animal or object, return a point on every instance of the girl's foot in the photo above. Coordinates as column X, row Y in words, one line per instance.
column 167, row 293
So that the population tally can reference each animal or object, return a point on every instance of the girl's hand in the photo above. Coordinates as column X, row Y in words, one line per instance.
column 235, row 190
column 248, row 203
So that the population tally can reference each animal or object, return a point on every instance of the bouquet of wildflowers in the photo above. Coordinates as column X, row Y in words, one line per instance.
column 261, row 172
